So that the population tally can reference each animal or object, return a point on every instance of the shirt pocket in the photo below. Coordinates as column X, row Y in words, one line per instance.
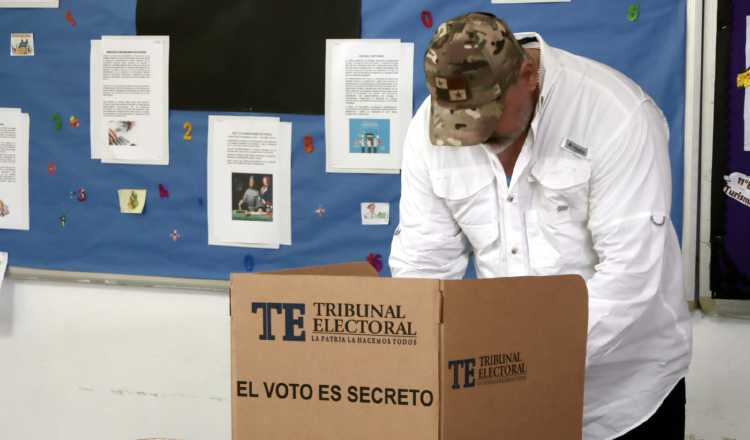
column 563, row 191
column 470, row 197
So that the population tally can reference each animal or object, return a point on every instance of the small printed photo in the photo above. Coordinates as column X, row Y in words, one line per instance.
column 21, row 45
column 375, row 213
column 4, row 208
column 122, row 133
column 252, row 197
column 371, row 136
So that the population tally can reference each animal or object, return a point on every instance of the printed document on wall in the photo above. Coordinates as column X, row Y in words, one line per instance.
column 249, row 181
column 3, row 266
column 14, row 169
column 368, row 104
column 29, row 3
column 130, row 100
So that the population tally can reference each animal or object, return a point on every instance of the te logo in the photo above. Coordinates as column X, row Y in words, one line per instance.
column 291, row 323
column 468, row 377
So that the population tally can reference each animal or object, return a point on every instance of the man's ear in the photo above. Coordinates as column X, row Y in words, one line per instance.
column 529, row 74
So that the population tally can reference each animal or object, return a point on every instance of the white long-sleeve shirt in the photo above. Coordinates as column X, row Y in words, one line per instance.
column 590, row 194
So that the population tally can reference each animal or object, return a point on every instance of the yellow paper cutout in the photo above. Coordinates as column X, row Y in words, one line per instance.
column 743, row 79
column 132, row 201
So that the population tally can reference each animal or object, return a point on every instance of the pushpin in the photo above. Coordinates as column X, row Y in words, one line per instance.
column 174, row 235
column 51, row 168
column 74, row 122
column 61, row 220
column 634, row 11
column 320, row 212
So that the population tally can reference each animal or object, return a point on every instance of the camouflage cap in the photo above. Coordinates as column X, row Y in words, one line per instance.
column 470, row 62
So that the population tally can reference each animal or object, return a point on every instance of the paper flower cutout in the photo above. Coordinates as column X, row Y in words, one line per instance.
column 376, row 261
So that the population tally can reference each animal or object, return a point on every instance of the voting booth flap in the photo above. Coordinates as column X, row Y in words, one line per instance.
column 336, row 352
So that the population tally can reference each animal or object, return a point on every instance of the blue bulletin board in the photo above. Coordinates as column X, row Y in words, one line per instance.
column 97, row 238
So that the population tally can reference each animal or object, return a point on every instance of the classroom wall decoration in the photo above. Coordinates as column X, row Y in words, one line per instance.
column 730, row 195
column 76, row 223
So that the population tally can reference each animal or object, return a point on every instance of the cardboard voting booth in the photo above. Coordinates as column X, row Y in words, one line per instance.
column 337, row 353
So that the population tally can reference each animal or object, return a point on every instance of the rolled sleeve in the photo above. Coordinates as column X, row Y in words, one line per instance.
column 631, row 230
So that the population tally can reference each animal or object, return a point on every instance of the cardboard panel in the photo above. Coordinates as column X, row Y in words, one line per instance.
column 361, row 269
column 513, row 358
column 354, row 377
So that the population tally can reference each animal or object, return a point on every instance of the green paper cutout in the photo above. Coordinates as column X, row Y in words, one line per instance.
column 634, row 10
column 58, row 121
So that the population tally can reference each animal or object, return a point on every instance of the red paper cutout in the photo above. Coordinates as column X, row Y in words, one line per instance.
column 309, row 147
column 69, row 18
column 163, row 192
column 376, row 261
column 426, row 18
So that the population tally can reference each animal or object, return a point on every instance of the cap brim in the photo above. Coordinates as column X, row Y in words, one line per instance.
column 463, row 127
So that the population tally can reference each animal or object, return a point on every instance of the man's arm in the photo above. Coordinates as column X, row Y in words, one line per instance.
column 630, row 226
column 427, row 243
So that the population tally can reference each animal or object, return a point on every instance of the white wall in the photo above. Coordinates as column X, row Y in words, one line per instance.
column 101, row 362
column 93, row 362
column 718, row 386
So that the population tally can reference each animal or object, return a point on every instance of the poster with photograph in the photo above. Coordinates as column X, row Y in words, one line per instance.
column 374, row 213
column 21, row 45
column 370, row 136
column 14, row 169
column 252, row 197
column 249, row 181
column 129, row 100
column 368, row 104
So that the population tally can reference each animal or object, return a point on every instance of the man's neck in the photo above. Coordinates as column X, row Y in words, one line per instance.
column 509, row 156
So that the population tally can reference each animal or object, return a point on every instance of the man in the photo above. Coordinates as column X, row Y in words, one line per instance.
column 541, row 162
column 250, row 199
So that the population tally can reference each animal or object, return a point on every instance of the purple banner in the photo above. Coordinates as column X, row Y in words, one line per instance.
column 731, row 256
